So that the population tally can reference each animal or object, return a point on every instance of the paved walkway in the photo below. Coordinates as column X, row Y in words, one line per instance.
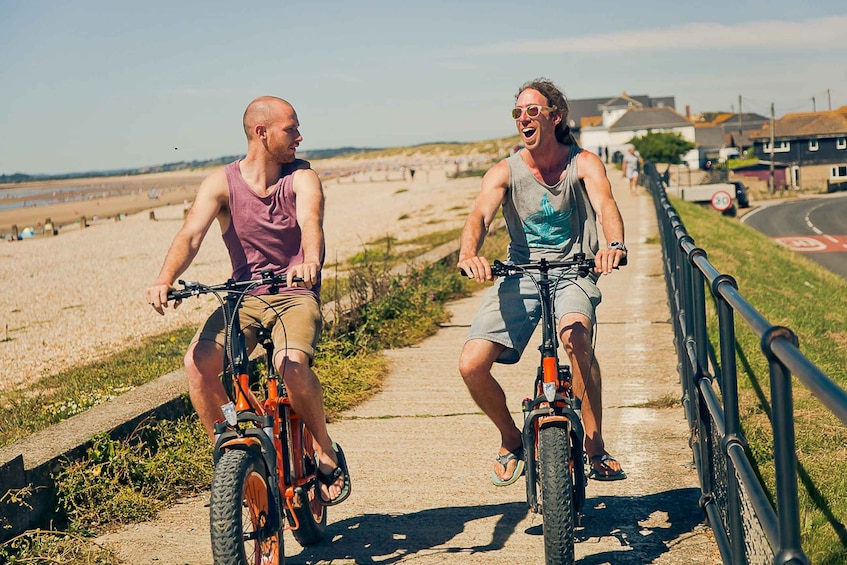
column 421, row 452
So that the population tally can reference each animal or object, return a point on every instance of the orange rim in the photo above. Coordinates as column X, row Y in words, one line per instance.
column 261, row 550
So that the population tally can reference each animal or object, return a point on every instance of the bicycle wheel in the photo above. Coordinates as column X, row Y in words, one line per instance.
column 557, row 507
column 309, row 514
column 241, row 504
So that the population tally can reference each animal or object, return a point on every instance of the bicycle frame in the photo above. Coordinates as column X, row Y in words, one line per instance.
column 275, row 431
column 554, row 403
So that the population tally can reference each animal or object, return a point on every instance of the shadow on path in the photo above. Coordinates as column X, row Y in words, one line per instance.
column 627, row 530
column 641, row 526
column 375, row 538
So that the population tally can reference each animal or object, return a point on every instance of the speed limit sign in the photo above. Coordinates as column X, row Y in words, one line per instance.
column 721, row 201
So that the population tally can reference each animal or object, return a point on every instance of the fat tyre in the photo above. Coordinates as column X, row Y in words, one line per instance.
column 310, row 515
column 557, row 505
column 241, row 505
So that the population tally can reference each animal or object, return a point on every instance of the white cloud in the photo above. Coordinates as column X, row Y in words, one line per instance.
column 819, row 34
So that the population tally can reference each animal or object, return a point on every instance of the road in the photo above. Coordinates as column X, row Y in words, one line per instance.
column 815, row 227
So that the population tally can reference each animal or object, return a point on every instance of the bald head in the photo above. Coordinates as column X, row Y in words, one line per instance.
column 263, row 111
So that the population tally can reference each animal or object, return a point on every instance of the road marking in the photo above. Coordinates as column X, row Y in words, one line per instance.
column 813, row 244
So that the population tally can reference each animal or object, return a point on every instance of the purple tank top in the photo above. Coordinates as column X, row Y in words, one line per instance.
column 263, row 233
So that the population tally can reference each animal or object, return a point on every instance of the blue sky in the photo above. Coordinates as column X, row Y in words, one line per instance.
column 93, row 85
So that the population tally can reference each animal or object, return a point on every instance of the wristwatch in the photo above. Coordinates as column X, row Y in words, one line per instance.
column 617, row 245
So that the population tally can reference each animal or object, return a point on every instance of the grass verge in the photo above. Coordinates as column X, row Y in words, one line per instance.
column 790, row 290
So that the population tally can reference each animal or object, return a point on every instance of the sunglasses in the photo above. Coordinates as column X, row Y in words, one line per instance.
column 532, row 110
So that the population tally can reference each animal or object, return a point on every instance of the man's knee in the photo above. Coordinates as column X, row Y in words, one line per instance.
column 295, row 368
column 476, row 359
column 203, row 360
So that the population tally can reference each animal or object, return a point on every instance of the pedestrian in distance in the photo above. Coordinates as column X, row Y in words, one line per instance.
column 630, row 164
column 269, row 206
column 553, row 194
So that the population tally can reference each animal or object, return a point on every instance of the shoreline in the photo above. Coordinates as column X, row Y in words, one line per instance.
column 132, row 195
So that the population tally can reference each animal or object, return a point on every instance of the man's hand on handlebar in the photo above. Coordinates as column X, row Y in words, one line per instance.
column 477, row 268
column 608, row 259
column 157, row 297
column 306, row 271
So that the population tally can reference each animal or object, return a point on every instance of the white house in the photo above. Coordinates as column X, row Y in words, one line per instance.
column 624, row 118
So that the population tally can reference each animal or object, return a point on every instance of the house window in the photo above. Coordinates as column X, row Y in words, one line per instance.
column 841, row 142
column 778, row 147
column 838, row 172
column 813, row 145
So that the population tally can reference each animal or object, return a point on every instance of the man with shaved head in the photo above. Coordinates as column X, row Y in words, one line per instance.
column 269, row 206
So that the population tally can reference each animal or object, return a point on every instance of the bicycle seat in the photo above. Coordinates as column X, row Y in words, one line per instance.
column 263, row 337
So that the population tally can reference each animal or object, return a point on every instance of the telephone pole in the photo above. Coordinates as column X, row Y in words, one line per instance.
column 771, row 184
column 829, row 99
column 740, row 131
column 814, row 108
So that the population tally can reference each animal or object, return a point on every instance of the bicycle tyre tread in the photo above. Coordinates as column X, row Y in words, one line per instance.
column 557, row 504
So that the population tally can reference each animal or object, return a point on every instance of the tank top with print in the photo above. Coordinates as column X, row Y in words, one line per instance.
column 263, row 233
column 552, row 222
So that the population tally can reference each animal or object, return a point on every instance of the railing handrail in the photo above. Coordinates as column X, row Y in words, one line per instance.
column 688, row 272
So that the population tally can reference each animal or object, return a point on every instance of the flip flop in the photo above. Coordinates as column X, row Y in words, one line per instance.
column 516, row 455
column 610, row 474
column 330, row 478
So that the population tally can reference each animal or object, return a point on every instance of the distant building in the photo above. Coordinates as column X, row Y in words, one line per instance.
column 812, row 146
column 624, row 117
column 593, row 108
column 726, row 136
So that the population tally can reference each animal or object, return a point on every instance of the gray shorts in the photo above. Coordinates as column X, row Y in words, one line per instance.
column 511, row 310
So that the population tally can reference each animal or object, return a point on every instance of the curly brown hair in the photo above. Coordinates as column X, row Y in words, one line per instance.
column 556, row 98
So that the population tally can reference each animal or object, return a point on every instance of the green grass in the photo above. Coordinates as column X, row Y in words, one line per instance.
column 58, row 397
column 790, row 290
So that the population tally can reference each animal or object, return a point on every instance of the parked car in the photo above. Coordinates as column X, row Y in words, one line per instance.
column 740, row 194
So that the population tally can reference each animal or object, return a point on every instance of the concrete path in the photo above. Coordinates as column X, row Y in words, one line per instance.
column 420, row 452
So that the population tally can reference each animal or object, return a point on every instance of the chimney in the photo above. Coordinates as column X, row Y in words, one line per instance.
column 688, row 112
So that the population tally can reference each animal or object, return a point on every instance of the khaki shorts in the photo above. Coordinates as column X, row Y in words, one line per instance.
column 294, row 320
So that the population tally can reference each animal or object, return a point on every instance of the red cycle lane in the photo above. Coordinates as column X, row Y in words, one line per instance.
column 814, row 243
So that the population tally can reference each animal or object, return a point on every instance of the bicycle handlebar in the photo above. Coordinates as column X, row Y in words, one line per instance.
column 193, row 288
column 580, row 264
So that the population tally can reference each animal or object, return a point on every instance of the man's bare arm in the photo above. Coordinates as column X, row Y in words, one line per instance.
column 212, row 196
column 593, row 174
column 491, row 196
column 310, row 215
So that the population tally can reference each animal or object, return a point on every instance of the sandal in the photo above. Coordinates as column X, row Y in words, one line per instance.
column 516, row 455
column 328, row 479
column 607, row 474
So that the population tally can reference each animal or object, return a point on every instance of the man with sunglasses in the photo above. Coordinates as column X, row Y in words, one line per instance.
column 553, row 194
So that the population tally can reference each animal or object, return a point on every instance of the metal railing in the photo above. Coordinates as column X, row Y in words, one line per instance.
column 747, row 528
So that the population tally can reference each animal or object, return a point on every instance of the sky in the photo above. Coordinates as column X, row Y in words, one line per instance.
column 100, row 85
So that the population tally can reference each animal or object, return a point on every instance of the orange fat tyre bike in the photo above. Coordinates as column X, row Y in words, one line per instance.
column 265, row 472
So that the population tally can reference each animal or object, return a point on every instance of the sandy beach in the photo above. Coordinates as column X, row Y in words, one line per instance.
column 78, row 296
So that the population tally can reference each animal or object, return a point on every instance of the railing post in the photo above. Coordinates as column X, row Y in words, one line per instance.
column 697, row 330
column 732, row 420
column 785, row 461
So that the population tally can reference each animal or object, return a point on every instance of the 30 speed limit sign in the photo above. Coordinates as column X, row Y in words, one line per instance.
column 721, row 201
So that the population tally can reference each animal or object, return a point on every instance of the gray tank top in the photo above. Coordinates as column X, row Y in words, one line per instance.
column 552, row 222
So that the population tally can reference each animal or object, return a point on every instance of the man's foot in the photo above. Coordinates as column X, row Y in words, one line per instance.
column 604, row 467
column 508, row 468
column 334, row 484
